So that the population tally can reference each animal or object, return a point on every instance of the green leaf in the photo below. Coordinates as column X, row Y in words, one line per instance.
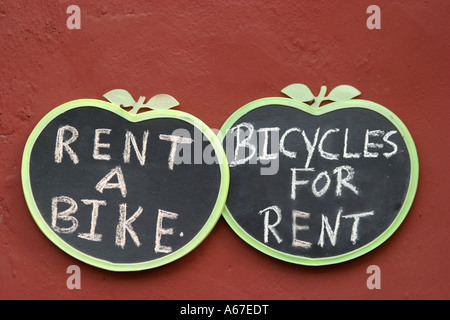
column 343, row 92
column 161, row 102
column 299, row 92
column 120, row 97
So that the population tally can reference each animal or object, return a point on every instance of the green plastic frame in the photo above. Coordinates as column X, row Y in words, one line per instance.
column 45, row 228
column 316, row 111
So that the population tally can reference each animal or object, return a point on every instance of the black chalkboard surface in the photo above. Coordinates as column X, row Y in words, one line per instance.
column 315, row 185
column 120, row 191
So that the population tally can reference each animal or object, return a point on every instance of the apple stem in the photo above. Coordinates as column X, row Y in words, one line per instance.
column 137, row 105
column 319, row 99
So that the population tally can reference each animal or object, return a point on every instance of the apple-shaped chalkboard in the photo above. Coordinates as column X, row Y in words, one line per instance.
column 124, row 190
column 318, row 185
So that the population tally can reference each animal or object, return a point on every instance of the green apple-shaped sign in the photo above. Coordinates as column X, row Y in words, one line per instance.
column 124, row 190
column 318, row 185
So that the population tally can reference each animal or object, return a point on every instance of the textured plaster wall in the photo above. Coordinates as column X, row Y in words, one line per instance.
column 215, row 56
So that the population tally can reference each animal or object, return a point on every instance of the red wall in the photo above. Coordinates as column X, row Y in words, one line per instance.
column 214, row 57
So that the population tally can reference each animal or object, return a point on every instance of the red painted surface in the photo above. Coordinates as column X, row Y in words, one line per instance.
column 214, row 57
